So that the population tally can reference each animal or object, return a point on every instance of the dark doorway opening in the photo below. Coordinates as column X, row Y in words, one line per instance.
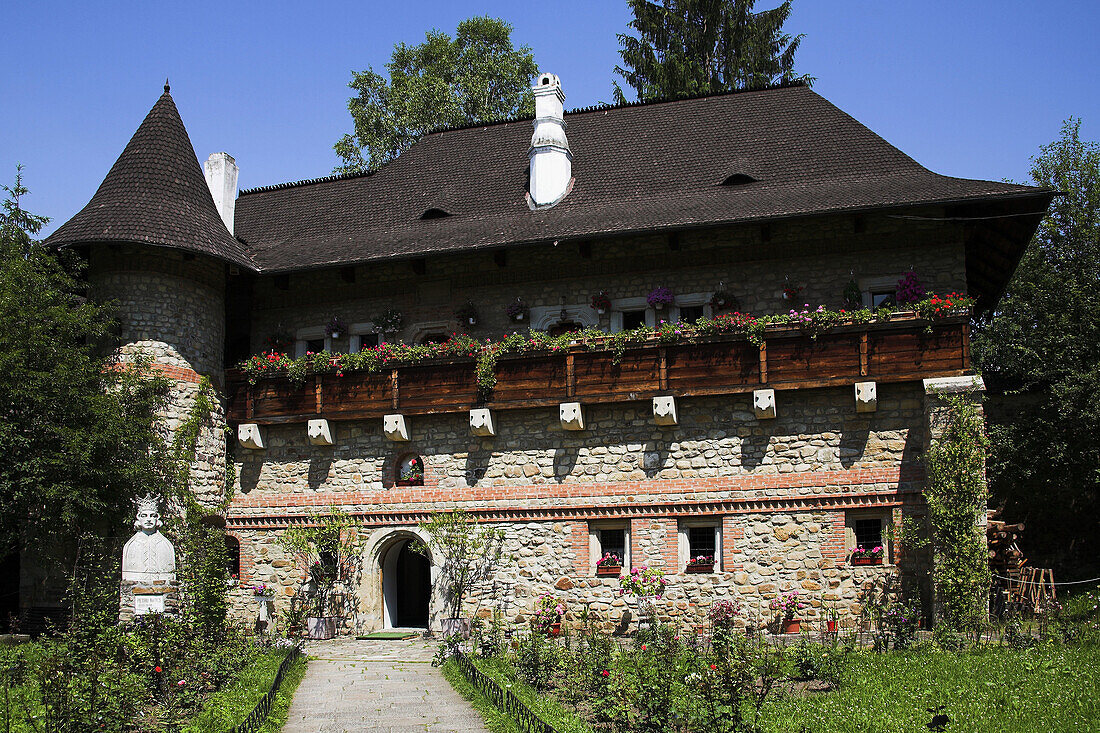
column 407, row 586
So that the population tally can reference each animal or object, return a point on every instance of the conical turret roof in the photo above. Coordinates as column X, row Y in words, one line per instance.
column 155, row 194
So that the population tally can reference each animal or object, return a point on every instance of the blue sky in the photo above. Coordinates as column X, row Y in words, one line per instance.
column 968, row 89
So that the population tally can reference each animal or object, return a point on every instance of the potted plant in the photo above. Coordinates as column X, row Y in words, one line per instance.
column 336, row 327
column 465, row 553
column 264, row 595
column 279, row 341
column 659, row 297
column 701, row 564
column 910, row 290
column 610, row 564
column 788, row 606
column 329, row 547
column 601, row 303
column 648, row 586
column 410, row 472
column 388, row 321
column 723, row 300
column 518, row 310
column 467, row 313
column 862, row 556
column 853, row 296
column 549, row 612
column 831, row 619
column 790, row 290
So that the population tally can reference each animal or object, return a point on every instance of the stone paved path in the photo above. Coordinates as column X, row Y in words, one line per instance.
column 377, row 685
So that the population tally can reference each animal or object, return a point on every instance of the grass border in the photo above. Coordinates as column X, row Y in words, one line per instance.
column 284, row 696
column 495, row 720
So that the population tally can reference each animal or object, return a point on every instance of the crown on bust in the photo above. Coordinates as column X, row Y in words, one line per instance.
column 147, row 503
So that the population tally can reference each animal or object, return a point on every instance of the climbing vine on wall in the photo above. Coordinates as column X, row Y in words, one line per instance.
column 956, row 496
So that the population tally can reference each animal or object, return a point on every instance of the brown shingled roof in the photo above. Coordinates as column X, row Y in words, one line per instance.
column 155, row 194
column 637, row 168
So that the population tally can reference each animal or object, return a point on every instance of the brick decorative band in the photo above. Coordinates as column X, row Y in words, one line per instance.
column 180, row 374
column 896, row 477
column 896, row 495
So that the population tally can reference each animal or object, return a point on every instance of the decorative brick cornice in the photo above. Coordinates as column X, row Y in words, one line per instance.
column 179, row 374
column 857, row 489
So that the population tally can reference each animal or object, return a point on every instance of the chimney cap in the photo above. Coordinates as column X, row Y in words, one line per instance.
column 547, row 82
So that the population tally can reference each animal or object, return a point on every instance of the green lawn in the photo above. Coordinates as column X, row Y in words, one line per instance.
column 1045, row 689
column 230, row 706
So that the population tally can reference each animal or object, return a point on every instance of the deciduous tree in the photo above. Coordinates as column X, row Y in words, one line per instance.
column 690, row 47
column 1040, row 355
column 77, row 439
column 477, row 76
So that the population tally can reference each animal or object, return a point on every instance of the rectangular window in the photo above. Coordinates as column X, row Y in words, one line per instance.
column 701, row 541
column 608, row 538
column 315, row 346
column 367, row 340
column 633, row 319
column 868, row 533
column 883, row 299
column 700, row 546
column 690, row 313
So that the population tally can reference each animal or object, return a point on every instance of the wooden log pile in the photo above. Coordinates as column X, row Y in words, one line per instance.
column 1026, row 586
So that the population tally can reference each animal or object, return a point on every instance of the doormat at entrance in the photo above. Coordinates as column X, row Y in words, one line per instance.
column 390, row 635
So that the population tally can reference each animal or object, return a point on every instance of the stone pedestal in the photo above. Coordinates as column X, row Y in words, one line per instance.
column 141, row 597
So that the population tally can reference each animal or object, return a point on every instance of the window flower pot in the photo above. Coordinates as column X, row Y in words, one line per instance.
column 554, row 630
column 700, row 567
column 321, row 627
column 612, row 571
column 866, row 560
column 830, row 626
column 601, row 311
column 791, row 626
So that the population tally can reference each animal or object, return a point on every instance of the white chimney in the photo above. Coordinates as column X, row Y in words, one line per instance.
column 551, row 161
column 221, row 177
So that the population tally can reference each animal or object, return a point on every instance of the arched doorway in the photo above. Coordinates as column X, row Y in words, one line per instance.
column 406, row 586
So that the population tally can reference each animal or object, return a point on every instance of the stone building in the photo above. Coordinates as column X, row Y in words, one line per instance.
column 777, row 455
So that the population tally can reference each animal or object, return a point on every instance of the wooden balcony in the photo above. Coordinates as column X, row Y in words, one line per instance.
column 898, row 351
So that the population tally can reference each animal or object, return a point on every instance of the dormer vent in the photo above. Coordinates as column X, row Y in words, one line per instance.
column 551, row 160
column 737, row 179
column 434, row 213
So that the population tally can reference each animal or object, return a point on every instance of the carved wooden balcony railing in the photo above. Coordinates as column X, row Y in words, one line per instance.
column 896, row 351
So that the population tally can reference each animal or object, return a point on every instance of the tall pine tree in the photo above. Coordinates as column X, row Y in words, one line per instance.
column 691, row 47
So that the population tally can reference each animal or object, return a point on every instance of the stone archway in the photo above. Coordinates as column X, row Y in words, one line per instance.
column 397, row 583
column 406, row 586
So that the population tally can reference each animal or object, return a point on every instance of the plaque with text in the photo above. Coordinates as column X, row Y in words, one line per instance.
column 148, row 604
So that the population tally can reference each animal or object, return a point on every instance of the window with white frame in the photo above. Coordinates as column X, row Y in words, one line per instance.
column 629, row 313
column 879, row 292
column 700, row 542
column 311, row 340
column 609, row 537
column 364, row 336
column 690, row 307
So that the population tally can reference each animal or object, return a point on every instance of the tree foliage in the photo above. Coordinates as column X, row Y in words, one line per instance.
column 691, row 47
column 464, row 551
column 1040, row 355
column 77, row 439
column 477, row 76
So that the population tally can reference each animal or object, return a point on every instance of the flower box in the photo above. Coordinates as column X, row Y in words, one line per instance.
column 609, row 570
column 791, row 626
column 700, row 567
column 554, row 630
column 867, row 560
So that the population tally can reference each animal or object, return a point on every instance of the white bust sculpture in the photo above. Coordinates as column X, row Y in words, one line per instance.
column 148, row 555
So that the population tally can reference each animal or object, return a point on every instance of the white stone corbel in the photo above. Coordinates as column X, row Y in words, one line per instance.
column 664, row 411
column 481, row 422
column 954, row 385
column 249, row 436
column 395, row 428
column 866, row 396
column 571, row 415
column 319, row 432
column 763, row 403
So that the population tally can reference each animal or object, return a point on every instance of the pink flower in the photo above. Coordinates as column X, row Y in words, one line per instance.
column 181, row 683
column 605, row 673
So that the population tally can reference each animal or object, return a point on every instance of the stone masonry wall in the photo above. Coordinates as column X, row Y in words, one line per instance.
column 780, row 490
column 820, row 255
